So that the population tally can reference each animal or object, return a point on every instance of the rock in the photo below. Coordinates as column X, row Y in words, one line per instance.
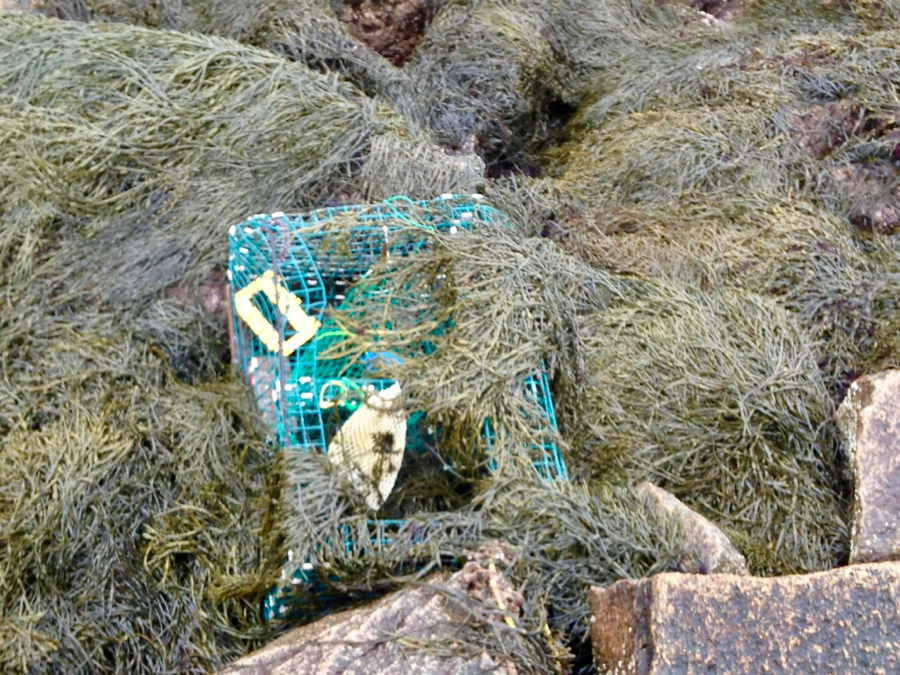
column 841, row 621
column 212, row 293
column 613, row 622
column 391, row 28
column 707, row 549
column 386, row 637
column 869, row 420
column 822, row 128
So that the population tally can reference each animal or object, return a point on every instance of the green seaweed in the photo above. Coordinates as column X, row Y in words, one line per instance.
column 698, row 264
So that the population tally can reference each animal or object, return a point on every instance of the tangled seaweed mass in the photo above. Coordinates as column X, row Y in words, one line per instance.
column 705, row 252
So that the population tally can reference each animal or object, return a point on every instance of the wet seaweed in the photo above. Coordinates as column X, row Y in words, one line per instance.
column 120, row 485
column 701, row 267
column 718, row 399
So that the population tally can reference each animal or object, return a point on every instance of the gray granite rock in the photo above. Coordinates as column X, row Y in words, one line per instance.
column 388, row 636
column 707, row 549
column 841, row 621
column 869, row 420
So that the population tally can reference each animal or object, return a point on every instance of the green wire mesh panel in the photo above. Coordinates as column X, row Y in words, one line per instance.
column 278, row 603
column 546, row 457
column 282, row 265
column 285, row 270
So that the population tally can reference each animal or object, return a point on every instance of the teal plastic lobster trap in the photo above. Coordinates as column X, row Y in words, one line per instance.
column 286, row 270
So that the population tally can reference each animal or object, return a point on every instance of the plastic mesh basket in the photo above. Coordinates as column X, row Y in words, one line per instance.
column 284, row 270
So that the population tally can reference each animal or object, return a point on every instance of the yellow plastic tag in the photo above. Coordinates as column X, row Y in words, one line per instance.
column 287, row 303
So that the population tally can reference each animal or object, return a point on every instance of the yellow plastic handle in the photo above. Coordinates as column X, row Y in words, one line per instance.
column 287, row 303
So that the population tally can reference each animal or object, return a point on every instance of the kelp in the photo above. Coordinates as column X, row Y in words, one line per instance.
column 767, row 169
column 137, row 511
column 141, row 494
column 439, row 294
column 303, row 30
column 699, row 267
column 505, row 75
column 662, row 156
column 717, row 398
column 484, row 70
column 801, row 255
column 556, row 540
column 144, row 145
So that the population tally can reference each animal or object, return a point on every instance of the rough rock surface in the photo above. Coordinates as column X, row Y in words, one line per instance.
column 391, row 28
column 841, row 621
column 383, row 638
column 869, row 419
column 707, row 549
column 822, row 129
column 212, row 293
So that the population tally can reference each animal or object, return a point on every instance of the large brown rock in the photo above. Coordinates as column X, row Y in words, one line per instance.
column 869, row 419
column 415, row 631
column 840, row 621
column 707, row 549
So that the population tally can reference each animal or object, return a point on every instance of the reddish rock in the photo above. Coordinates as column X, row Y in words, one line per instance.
column 707, row 549
column 869, row 419
column 841, row 621
column 212, row 293
column 613, row 621
column 415, row 631
column 391, row 28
